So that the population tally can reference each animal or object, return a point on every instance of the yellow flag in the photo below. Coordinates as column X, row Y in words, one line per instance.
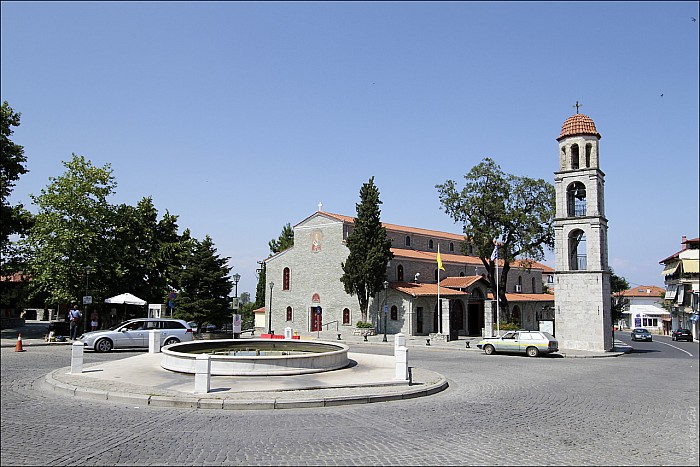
column 439, row 260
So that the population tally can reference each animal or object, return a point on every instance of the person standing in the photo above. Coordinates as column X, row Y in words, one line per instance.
column 74, row 318
column 94, row 320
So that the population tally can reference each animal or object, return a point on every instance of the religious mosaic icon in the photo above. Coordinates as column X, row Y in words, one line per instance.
column 316, row 238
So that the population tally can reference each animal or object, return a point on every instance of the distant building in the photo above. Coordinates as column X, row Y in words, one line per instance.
column 682, row 278
column 645, row 309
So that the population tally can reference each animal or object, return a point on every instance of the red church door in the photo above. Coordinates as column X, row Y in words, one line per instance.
column 316, row 318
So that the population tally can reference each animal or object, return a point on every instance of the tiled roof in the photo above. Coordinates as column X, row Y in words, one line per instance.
column 461, row 282
column 432, row 256
column 461, row 259
column 526, row 297
column 578, row 124
column 692, row 241
column 401, row 228
column 643, row 291
column 422, row 289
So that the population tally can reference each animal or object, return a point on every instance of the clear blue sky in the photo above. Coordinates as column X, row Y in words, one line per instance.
column 242, row 117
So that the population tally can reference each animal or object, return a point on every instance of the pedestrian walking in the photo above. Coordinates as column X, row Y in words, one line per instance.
column 74, row 316
column 94, row 319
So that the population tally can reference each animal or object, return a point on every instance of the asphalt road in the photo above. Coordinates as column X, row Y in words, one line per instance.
column 637, row 409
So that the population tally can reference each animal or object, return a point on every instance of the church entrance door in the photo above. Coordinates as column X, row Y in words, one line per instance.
column 316, row 318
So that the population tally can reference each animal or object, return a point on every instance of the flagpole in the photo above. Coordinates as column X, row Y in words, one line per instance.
column 439, row 266
column 498, row 302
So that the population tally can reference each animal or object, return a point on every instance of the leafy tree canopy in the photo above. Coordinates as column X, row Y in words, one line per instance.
column 13, row 219
column 364, row 271
column 618, row 284
column 204, row 285
column 518, row 211
column 285, row 240
column 70, row 229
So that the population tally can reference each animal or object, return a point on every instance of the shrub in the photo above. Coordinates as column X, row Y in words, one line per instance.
column 364, row 324
column 509, row 326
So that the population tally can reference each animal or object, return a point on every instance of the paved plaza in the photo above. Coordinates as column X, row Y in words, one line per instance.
column 635, row 409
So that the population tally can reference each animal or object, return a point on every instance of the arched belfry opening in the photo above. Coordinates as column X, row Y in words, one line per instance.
column 582, row 275
column 578, row 260
column 576, row 199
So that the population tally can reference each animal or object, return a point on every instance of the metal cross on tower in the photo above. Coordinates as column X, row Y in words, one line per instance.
column 577, row 105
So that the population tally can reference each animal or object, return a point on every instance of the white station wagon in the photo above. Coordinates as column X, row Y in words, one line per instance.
column 135, row 333
column 532, row 343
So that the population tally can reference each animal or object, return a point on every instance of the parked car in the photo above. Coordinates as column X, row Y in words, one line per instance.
column 532, row 343
column 641, row 334
column 682, row 335
column 135, row 333
column 193, row 325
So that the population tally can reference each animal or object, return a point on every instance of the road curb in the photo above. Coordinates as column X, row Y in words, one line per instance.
column 193, row 402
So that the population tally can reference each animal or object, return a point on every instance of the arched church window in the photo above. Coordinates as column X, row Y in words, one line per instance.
column 394, row 313
column 399, row 273
column 574, row 157
column 285, row 279
column 408, row 240
column 452, row 246
column 534, row 289
column 346, row 316
column 577, row 251
column 576, row 199
column 289, row 313
column 430, row 244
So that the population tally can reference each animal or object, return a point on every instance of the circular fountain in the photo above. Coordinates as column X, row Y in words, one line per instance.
column 261, row 357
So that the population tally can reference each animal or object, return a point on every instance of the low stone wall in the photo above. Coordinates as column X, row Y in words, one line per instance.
column 11, row 323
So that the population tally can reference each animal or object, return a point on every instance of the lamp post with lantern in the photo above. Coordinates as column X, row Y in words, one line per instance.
column 269, row 323
column 236, row 325
column 386, row 306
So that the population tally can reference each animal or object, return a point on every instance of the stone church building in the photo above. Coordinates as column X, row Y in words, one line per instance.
column 307, row 295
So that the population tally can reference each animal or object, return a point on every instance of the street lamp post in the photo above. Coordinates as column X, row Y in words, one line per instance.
column 386, row 306
column 87, row 288
column 269, row 324
column 236, row 277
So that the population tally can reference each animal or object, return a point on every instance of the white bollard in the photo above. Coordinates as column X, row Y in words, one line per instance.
column 399, row 340
column 401, row 357
column 154, row 341
column 287, row 333
column 76, row 358
column 202, row 374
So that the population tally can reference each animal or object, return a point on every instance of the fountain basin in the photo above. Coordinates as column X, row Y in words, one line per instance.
column 257, row 357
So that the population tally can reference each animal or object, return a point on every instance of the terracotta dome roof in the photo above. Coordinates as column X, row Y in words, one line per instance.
column 578, row 124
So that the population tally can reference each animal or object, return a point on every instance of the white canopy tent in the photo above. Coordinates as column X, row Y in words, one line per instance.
column 125, row 299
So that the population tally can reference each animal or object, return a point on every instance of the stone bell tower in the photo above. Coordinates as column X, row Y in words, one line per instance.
column 582, row 277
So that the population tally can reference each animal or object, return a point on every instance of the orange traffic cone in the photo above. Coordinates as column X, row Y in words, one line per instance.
column 18, row 346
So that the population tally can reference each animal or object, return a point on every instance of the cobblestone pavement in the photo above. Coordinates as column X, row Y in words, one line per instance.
column 498, row 410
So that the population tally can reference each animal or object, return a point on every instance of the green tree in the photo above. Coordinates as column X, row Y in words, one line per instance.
column 364, row 271
column 71, row 232
column 285, row 240
column 519, row 211
column 147, row 252
column 260, row 288
column 14, row 220
column 204, row 285
column 618, row 284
